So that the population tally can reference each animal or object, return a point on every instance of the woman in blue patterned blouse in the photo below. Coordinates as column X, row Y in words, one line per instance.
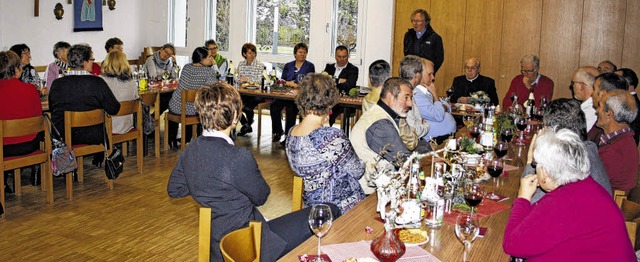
column 322, row 155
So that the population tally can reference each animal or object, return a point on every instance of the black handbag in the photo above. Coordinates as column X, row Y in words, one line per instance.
column 63, row 160
column 148, row 125
column 114, row 162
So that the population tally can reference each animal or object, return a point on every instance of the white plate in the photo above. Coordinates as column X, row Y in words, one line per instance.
column 424, row 233
column 252, row 87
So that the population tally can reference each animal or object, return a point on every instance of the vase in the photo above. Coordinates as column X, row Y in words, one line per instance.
column 388, row 247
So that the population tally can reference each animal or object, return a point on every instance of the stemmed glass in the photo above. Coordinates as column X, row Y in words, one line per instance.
column 320, row 220
column 521, row 124
column 495, row 167
column 507, row 135
column 468, row 120
column 467, row 229
column 449, row 93
column 165, row 76
column 473, row 195
column 501, row 148
column 176, row 69
column 475, row 131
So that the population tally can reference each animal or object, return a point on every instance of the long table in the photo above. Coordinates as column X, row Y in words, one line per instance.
column 289, row 94
column 443, row 243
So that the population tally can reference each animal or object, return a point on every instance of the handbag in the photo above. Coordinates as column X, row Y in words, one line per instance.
column 114, row 162
column 148, row 125
column 63, row 160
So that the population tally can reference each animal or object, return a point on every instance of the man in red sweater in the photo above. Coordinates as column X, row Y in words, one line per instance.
column 617, row 149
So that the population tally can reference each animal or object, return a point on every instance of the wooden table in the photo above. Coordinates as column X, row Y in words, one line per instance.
column 346, row 102
column 443, row 243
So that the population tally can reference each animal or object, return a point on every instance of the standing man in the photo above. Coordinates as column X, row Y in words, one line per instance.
column 582, row 84
column 376, row 136
column 529, row 81
column 221, row 62
column 345, row 74
column 472, row 82
column 422, row 40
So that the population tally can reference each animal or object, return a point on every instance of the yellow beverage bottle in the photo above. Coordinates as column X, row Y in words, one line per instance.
column 143, row 84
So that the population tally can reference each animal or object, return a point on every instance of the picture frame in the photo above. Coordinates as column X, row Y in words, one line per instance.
column 87, row 15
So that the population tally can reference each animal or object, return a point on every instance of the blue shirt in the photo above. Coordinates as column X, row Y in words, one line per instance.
column 289, row 72
column 441, row 122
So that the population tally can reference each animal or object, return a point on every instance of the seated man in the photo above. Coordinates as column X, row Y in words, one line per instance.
column 436, row 112
column 530, row 80
column 617, row 149
column 632, row 79
column 226, row 178
column 376, row 137
column 604, row 83
column 582, row 86
column 379, row 71
column 566, row 113
column 606, row 66
column 472, row 81
column 414, row 127
column 345, row 74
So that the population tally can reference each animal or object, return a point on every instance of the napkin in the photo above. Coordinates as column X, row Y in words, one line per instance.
column 310, row 258
column 361, row 249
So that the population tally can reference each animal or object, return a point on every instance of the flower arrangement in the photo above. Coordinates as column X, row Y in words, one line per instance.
column 479, row 97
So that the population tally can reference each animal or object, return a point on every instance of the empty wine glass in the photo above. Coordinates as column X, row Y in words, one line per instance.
column 176, row 69
column 449, row 93
column 494, row 167
column 320, row 220
column 165, row 76
column 467, row 229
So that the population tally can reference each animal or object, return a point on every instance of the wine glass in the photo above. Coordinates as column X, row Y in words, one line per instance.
column 473, row 195
column 299, row 78
column 176, row 69
column 467, row 229
column 474, row 131
column 468, row 120
column 449, row 93
column 521, row 124
column 320, row 219
column 501, row 148
column 495, row 167
column 507, row 135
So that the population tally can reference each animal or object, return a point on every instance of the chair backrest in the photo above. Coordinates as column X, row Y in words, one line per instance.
column 81, row 119
column 146, row 52
column 619, row 196
column 24, row 127
column 296, row 202
column 187, row 96
column 127, row 107
column 204, row 235
column 242, row 244
column 631, row 212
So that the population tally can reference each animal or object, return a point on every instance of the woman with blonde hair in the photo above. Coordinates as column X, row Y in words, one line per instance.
column 117, row 73
column 323, row 156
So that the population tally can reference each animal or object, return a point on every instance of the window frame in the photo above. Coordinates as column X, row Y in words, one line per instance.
column 355, row 58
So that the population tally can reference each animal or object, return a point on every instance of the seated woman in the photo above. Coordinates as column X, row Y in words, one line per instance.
column 59, row 67
column 29, row 74
column 291, row 72
column 194, row 76
column 577, row 220
column 322, row 155
column 79, row 90
column 117, row 73
column 17, row 100
column 249, row 69
column 226, row 178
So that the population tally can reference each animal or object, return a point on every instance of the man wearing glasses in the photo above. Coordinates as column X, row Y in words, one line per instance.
column 529, row 80
column 221, row 62
column 422, row 40
column 472, row 82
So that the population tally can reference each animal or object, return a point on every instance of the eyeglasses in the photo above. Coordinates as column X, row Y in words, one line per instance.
column 92, row 59
column 212, row 48
column 574, row 83
column 528, row 71
column 416, row 21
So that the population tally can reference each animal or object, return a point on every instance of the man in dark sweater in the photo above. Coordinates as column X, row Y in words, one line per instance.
column 422, row 40
column 471, row 82
column 345, row 75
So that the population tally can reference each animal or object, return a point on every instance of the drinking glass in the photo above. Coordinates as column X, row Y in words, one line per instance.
column 473, row 195
column 299, row 78
column 468, row 120
column 521, row 124
column 506, row 135
column 165, row 76
column 494, row 167
column 501, row 148
column 467, row 229
column 320, row 219
column 449, row 93
column 176, row 69
column 475, row 131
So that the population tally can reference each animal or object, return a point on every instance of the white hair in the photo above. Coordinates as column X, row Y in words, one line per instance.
column 562, row 155
column 531, row 59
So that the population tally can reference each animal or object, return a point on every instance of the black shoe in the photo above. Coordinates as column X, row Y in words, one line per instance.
column 283, row 143
column 96, row 162
column 35, row 175
column 276, row 137
column 245, row 129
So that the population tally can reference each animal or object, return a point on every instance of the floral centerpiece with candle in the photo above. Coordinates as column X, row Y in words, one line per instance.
column 479, row 97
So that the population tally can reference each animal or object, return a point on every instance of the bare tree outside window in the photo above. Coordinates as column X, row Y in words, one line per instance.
column 347, row 23
column 281, row 24
column 223, row 9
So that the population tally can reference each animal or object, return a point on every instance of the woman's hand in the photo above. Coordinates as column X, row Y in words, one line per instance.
column 528, row 186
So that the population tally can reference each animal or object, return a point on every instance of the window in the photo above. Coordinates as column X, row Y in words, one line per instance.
column 218, row 28
column 345, row 29
column 178, row 22
column 280, row 25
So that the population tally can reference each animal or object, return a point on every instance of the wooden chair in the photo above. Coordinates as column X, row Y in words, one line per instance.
column 74, row 119
column 261, row 106
column 298, row 188
column 23, row 127
column 183, row 119
column 149, row 99
column 631, row 212
column 242, row 244
column 128, row 108
column 204, row 235
column 146, row 52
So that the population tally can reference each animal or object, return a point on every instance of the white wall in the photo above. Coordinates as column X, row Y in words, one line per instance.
column 141, row 23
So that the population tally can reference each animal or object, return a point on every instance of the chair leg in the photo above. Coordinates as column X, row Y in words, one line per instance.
column 4, row 206
column 166, row 134
column 183, row 133
column 125, row 149
column 69, row 185
column 259, row 123
column 109, row 183
column 47, row 177
column 80, row 169
column 156, row 141
column 17, row 182
column 139, row 153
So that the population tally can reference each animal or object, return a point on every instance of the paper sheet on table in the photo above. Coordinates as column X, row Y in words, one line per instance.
column 362, row 249
column 508, row 168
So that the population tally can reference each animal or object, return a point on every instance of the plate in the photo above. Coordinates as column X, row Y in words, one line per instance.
column 251, row 87
column 413, row 236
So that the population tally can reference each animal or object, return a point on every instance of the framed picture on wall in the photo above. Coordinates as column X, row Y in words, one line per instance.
column 87, row 15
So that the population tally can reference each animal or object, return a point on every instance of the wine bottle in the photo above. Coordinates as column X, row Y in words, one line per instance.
column 264, row 79
column 530, row 105
column 230, row 72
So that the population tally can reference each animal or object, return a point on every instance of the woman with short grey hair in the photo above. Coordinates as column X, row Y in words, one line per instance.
column 576, row 220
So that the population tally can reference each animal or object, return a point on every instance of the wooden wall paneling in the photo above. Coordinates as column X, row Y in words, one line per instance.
column 402, row 22
column 603, row 31
column 520, row 36
column 448, row 20
column 483, row 31
column 631, row 49
column 560, row 42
